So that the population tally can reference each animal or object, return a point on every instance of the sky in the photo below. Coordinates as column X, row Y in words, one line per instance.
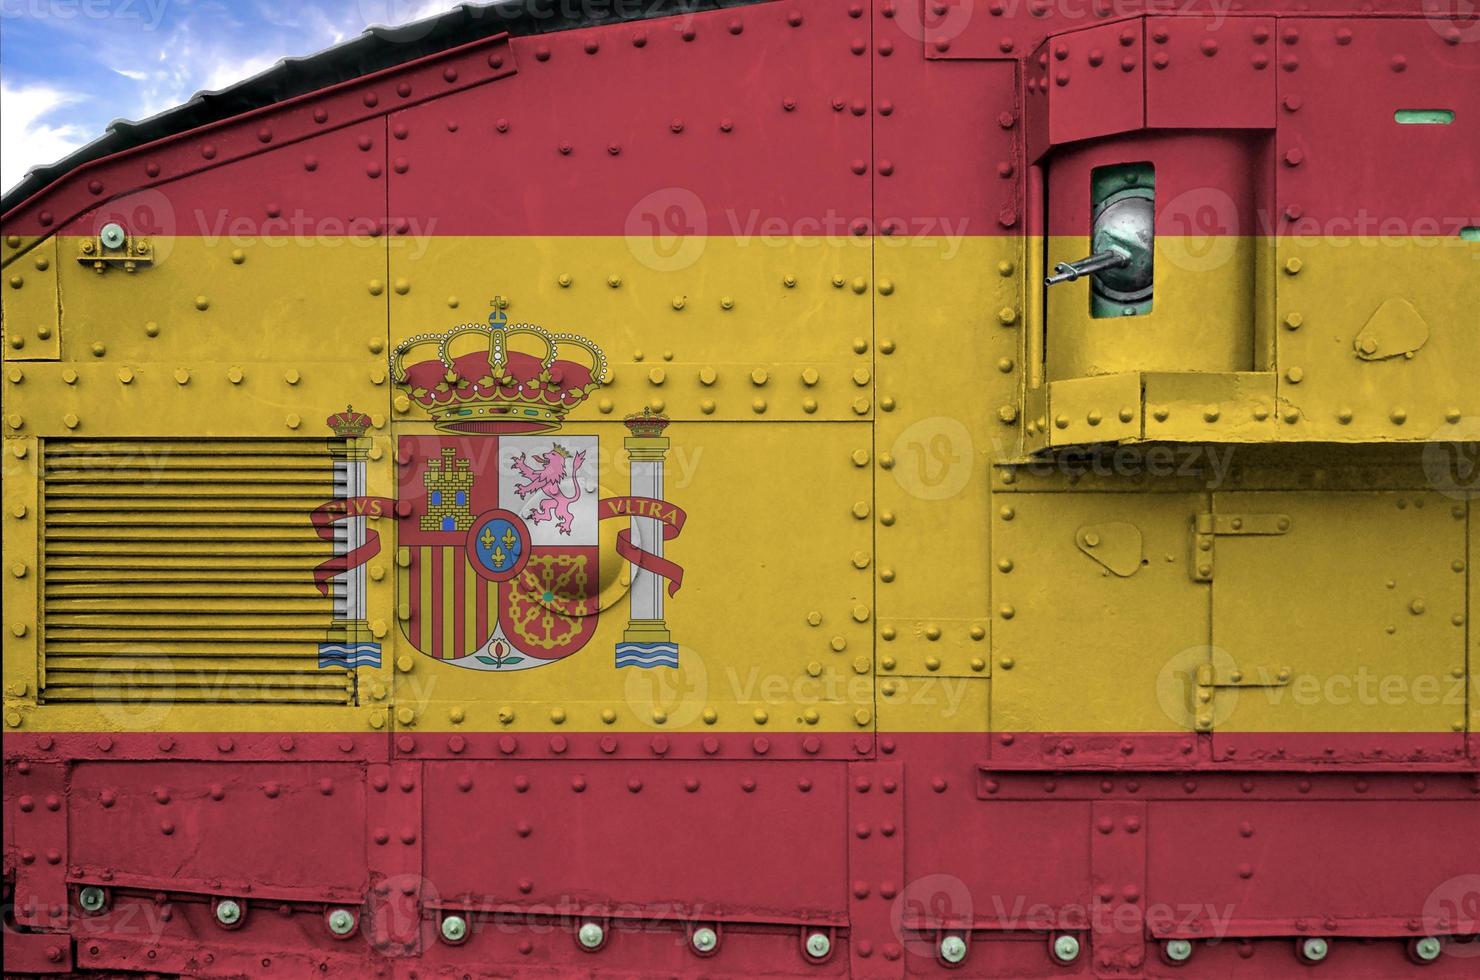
column 70, row 67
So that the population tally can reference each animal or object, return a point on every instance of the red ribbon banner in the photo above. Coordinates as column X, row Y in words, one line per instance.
column 669, row 516
column 325, row 516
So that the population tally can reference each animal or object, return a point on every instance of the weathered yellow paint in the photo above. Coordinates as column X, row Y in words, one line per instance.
column 774, row 618
column 219, row 302
column 948, row 354
column 1100, row 408
column 1189, row 328
column 112, row 398
column 854, row 574
column 1230, row 407
column 1472, row 652
column 1076, row 647
column 449, row 598
column 727, row 329
column 1333, row 292
column 22, row 576
column 934, row 703
column 1384, row 648
column 32, row 317
column 1327, row 339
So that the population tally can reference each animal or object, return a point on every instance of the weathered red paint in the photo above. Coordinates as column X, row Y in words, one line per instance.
column 519, row 834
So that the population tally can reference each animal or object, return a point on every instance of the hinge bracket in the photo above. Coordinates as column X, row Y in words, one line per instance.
column 1207, row 527
column 1211, row 677
column 112, row 247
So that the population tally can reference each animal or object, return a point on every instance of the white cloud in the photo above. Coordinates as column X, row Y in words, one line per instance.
column 199, row 48
column 27, row 138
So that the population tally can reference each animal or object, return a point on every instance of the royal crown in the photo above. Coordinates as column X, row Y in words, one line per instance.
column 349, row 424
column 646, row 424
column 498, row 377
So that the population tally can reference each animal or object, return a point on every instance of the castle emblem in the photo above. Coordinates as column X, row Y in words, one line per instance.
column 448, row 481
column 499, row 511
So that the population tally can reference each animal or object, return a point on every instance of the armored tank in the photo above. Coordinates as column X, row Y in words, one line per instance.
column 805, row 488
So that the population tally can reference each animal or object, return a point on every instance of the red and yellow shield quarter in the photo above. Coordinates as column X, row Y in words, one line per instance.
column 500, row 536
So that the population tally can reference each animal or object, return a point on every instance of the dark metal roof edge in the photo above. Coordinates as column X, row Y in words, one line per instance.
column 376, row 49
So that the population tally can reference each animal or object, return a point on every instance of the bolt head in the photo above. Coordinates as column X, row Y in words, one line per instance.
column 228, row 912
column 341, row 922
column 112, row 235
column 1428, row 948
column 953, row 949
column 1066, row 949
column 705, row 939
column 1178, row 950
column 818, row 945
column 590, row 935
column 1314, row 949
column 92, row 899
column 454, row 928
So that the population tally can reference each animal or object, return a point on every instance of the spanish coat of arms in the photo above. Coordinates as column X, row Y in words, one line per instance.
column 498, row 514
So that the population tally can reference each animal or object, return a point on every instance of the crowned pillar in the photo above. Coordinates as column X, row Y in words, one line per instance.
column 348, row 642
column 646, row 642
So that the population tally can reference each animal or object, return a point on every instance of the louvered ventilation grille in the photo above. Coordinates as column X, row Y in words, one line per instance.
column 182, row 570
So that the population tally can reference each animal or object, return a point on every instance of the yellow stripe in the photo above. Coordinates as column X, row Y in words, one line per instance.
column 470, row 612
column 449, row 608
column 424, row 627
column 492, row 589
